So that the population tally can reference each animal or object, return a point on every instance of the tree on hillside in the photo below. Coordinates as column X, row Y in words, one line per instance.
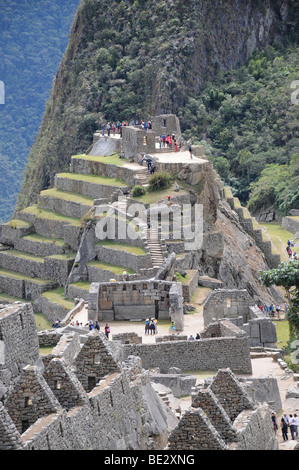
column 286, row 275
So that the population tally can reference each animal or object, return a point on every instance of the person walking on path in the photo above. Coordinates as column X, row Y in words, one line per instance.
column 292, row 424
column 107, row 330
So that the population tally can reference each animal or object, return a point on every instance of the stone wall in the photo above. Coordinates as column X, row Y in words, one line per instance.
column 166, row 124
column 136, row 141
column 18, row 342
column 85, row 167
column 291, row 224
column 89, row 189
column 206, row 354
column 227, row 303
column 123, row 258
column 137, row 300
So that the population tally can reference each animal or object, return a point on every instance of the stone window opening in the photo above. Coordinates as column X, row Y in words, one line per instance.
column 96, row 359
column 91, row 383
column 111, row 399
column 28, row 402
column 25, row 425
column 164, row 123
column 228, row 303
column 57, row 385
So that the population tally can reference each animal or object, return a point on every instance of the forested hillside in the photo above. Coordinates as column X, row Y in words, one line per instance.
column 33, row 39
column 250, row 127
column 133, row 58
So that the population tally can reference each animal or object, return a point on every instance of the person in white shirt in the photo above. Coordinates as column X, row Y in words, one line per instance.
column 292, row 424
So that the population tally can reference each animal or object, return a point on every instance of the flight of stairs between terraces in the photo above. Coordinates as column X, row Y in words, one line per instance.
column 38, row 248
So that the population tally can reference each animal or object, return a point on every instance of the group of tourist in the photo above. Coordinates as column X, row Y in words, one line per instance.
column 292, row 254
column 151, row 325
column 286, row 423
column 169, row 141
column 271, row 309
column 116, row 127
column 90, row 325
column 191, row 337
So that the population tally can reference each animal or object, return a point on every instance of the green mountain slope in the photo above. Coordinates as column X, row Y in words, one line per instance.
column 130, row 59
column 33, row 39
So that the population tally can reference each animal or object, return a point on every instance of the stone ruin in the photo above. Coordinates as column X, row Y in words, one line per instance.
column 223, row 416
column 91, row 393
column 81, row 397
column 237, row 306
column 53, row 245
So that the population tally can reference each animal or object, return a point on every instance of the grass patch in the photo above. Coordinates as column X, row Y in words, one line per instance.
column 45, row 350
column 94, row 179
column 279, row 237
column 10, row 298
column 42, row 322
column 50, row 215
column 110, row 160
column 110, row 267
column 136, row 250
column 17, row 223
column 14, row 275
column 182, row 279
column 64, row 256
column 35, row 237
column 154, row 197
column 82, row 285
column 71, row 197
column 23, row 255
column 282, row 331
column 57, row 296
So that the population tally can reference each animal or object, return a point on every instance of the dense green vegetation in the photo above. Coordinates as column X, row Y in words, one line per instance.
column 131, row 59
column 34, row 35
column 250, row 128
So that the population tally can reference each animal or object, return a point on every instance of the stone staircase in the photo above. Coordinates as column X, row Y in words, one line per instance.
column 155, row 247
column 252, row 227
column 141, row 176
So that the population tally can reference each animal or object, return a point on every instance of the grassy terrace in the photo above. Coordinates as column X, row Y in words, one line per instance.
column 35, row 237
column 136, row 250
column 94, row 179
column 23, row 255
column 50, row 215
column 82, row 285
column 10, row 298
column 17, row 223
column 57, row 296
column 64, row 256
column 279, row 237
column 110, row 267
column 154, row 197
column 72, row 197
column 14, row 275
column 111, row 160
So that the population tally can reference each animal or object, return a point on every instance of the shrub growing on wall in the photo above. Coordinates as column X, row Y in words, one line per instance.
column 159, row 181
